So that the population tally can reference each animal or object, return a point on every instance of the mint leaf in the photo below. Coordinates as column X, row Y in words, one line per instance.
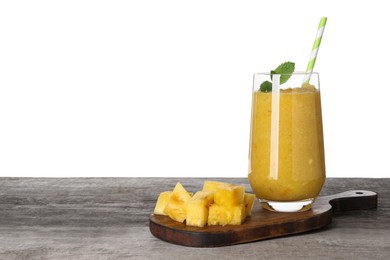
column 284, row 68
column 272, row 73
column 266, row 86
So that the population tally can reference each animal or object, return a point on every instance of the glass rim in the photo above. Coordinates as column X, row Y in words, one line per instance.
column 292, row 74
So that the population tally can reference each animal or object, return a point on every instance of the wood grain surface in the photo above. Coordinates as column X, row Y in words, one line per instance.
column 107, row 218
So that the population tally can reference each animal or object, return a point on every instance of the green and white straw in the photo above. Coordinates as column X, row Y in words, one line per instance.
column 314, row 50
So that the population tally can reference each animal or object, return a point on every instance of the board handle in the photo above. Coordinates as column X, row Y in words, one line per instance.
column 352, row 200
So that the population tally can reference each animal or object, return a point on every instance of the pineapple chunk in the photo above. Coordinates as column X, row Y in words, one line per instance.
column 222, row 215
column 198, row 208
column 229, row 195
column 176, row 206
column 249, row 199
column 212, row 185
column 162, row 201
column 219, row 203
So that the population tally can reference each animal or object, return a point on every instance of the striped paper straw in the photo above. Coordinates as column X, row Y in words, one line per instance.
column 314, row 50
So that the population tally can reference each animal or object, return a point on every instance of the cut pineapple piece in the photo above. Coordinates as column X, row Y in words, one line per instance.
column 229, row 195
column 176, row 206
column 212, row 185
column 198, row 208
column 222, row 215
column 219, row 203
column 249, row 199
column 162, row 201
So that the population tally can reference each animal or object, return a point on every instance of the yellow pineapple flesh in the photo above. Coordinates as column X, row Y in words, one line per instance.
column 219, row 203
column 229, row 195
column 198, row 208
column 162, row 201
column 222, row 215
column 176, row 206
column 249, row 199
column 212, row 185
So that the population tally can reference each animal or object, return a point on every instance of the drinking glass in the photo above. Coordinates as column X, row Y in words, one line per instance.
column 286, row 154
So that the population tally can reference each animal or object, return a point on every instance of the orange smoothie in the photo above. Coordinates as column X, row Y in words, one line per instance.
column 289, row 166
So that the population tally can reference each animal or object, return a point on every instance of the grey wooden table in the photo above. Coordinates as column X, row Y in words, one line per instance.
column 107, row 218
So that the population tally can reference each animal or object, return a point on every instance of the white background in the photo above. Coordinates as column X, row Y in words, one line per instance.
column 163, row 88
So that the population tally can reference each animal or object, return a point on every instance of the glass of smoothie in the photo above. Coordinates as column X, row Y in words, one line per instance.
column 286, row 155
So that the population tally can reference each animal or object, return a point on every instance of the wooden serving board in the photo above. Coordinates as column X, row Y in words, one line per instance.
column 263, row 224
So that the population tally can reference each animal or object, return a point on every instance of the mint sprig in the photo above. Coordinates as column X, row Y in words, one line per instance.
column 266, row 86
column 285, row 69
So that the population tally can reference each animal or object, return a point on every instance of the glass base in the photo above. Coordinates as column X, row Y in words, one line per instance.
column 289, row 206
